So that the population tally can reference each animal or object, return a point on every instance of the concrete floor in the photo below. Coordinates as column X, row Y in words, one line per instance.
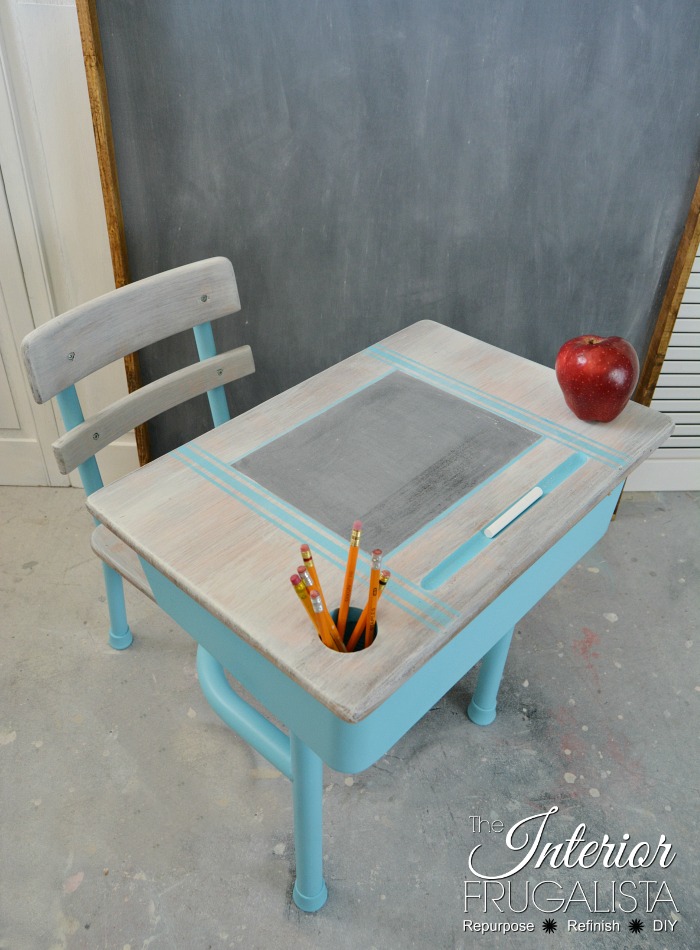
column 131, row 817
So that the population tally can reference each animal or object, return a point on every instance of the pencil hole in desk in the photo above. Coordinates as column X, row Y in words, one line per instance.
column 353, row 616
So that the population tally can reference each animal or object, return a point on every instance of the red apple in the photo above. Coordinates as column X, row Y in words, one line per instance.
column 597, row 376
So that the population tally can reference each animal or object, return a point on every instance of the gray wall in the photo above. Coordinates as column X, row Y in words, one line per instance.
column 518, row 170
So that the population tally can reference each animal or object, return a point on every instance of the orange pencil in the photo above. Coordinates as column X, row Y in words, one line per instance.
column 305, row 576
column 302, row 594
column 320, row 619
column 349, row 577
column 308, row 560
column 311, row 568
column 373, row 596
column 362, row 619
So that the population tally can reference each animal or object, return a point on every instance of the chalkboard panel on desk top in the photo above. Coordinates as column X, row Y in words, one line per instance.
column 519, row 171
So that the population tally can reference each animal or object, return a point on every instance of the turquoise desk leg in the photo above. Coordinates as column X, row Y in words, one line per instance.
column 482, row 708
column 119, row 632
column 310, row 891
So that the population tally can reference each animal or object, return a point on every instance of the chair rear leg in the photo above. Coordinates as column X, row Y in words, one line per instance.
column 119, row 633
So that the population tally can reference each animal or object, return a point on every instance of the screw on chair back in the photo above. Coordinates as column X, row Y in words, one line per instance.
column 83, row 340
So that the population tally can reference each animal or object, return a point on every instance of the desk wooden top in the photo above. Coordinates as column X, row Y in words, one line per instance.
column 464, row 430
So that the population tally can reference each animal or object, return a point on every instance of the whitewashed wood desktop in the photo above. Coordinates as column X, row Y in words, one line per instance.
column 231, row 544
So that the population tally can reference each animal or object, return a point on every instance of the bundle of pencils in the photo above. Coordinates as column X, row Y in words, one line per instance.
column 339, row 634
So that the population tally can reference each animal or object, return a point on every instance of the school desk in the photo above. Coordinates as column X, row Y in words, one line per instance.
column 469, row 472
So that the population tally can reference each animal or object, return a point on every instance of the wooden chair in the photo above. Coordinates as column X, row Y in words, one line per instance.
column 81, row 341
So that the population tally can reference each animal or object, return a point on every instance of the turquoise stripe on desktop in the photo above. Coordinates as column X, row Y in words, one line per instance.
column 501, row 406
column 409, row 597
column 438, row 518
column 478, row 542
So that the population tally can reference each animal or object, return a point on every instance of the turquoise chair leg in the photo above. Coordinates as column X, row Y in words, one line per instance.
column 482, row 708
column 310, row 892
column 119, row 633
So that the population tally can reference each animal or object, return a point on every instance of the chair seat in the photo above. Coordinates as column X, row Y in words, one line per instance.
column 114, row 552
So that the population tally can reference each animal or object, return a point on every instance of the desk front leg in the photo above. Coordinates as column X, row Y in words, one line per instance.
column 310, row 892
column 482, row 708
column 294, row 759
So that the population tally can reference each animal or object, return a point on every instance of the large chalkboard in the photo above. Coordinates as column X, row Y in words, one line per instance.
column 519, row 170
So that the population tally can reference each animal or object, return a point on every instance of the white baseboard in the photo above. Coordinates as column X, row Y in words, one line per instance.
column 669, row 474
column 22, row 463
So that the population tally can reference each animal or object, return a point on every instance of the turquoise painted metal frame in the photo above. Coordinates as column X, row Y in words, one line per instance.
column 352, row 747
column 316, row 734
column 120, row 636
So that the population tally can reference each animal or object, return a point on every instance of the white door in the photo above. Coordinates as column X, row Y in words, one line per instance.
column 26, row 430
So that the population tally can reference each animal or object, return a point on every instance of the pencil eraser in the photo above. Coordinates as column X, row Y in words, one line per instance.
column 357, row 526
column 305, row 547
column 295, row 579
column 377, row 552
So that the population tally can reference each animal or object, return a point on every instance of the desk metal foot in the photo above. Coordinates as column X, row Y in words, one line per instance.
column 119, row 632
column 310, row 892
column 482, row 708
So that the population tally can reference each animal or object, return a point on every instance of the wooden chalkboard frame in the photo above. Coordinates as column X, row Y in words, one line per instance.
column 89, row 31
column 670, row 305
column 104, row 144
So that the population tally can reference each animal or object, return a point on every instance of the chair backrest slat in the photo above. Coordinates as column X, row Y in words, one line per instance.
column 96, row 333
column 80, row 443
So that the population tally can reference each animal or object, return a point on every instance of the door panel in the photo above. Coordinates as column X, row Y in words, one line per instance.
column 26, row 430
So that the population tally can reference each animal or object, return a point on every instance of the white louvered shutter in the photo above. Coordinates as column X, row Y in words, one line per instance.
column 675, row 466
